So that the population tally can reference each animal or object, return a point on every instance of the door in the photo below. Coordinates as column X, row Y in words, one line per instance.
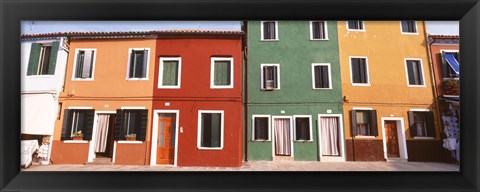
column 166, row 138
column 330, row 136
column 392, row 139
column 282, row 138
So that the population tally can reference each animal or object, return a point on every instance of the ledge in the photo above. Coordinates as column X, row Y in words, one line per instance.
column 75, row 141
column 364, row 137
column 130, row 142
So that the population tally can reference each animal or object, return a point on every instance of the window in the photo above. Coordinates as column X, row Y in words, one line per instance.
column 84, row 64
column 42, row 59
column 138, row 63
column 359, row 71
column 321, row 76
column 414, row 72
column 131, row 121
column 409, row 27
column 261, row 128
column 221, row 73
column 303, row 128
column 355, row 25
column 451, row 64
column 76, row 120
column 364, row 122
column 318, row 30
column 169, row 74
column 210, row 129
column 421, row 123
column 269, row 30
column 270, row 77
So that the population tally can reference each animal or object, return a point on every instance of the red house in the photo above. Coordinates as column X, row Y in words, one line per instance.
column 197, row 99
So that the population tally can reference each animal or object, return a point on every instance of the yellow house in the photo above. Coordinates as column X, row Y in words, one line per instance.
column 387, row 91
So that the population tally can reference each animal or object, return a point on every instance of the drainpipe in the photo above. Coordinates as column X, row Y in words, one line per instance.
column 245, row 91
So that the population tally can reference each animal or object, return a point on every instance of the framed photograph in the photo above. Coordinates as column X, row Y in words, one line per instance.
column 362, row 131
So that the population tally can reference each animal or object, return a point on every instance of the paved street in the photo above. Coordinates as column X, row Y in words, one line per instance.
column 266, row 166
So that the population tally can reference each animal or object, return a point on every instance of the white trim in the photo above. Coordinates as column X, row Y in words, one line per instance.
column 408, row 33
column 253, row 127
column 261, row 31
column 79, row 107
column 402, row 143
column 291, row 134
column 146, row 65
column 129, row 142
column 114, row 151
column 153, row 150
column 326, row 31
column 358, row 30
column 160, row 73
column 91, row 148
column 295, row 128
column 261, row 75
column 212, row 72
column 424, row 84
column 329, row 75
column 342, row 156
column 367, row 69
column 199, row 127
column 75, row 141
column 133, row 107
column 364, row 137
column 419, row 109
column 75, row 64
column 423, row 138
column 362, row 108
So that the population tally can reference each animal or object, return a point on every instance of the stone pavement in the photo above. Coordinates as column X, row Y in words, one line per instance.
column 265, row 166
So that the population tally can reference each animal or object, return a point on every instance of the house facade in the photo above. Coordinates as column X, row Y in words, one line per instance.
column 197, row 99
column 43, row 62
column 389, row 108
column 294, row 95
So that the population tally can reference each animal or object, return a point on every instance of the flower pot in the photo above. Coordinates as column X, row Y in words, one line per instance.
column 77, row 138
column 131, row 138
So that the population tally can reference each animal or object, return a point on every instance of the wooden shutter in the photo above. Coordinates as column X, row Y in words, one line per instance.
column 132, row 64
column 275, row 77
column 411, row 124
column 53, row 58
column 373, row 123
column 87, row 130
column 353, row 120
column 264, row 80
column 141, row 130
column 431, row 132
column 34, row 58
column 118, row 133
column 67, row 124
column 144, row 65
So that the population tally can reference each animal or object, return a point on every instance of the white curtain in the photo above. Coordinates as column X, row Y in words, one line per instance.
column 101, row 133
column 329, row 131
column 282, row 136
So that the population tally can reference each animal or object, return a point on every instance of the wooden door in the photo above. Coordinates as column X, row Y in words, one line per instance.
column 392, row 139
column 166, row 139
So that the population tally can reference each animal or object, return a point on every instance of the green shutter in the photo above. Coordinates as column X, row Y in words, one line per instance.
column 53, row 58
column 170, row 72
column 34, row 59
column 221, row 73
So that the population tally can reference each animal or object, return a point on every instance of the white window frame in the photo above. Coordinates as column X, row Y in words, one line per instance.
column 261, row 75
column 295, row 127
column 422, row 110
column 42, row 52
column 292, row 148
column 77, row 50
column 326, row 31
column 212, row 72
column 146, row 65
column 261, row 31
column 160, row 73
column 442, row 53
column 366, row 65
column 359, row 30
column 199, row 129
column 363, row 109
column 408, row 33
column 329, row 75
column 341, row 132
column 406, row 72
column 268, row 130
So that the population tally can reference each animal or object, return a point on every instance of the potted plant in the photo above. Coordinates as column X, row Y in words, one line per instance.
column 452, row 86
column 131, row 137
column 77, row 135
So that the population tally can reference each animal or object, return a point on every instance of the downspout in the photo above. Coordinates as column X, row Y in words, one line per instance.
column 432, row 75
column 244, row 98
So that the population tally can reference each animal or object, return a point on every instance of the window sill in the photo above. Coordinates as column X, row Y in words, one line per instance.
column 137, row 79
column 222, row 87
column 319, row 39
column 268, row 39
column 259, row 140
column 206, row 148
column 409, row 33
column 417, row 86
column 423, row 138
column 91, row 79
column 364, row 137
column 356, row 30
column 269, row 89
column 40, row 76
column 130, row 142
column 303, row 141
column 361, row 84
column 169, row 87
column 75, row 141
column 322, row 88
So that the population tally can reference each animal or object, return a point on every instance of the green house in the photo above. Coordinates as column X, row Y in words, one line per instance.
column 294, row 94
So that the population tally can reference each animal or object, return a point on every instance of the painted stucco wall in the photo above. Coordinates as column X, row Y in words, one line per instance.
column 437, row 62
column 295, row 53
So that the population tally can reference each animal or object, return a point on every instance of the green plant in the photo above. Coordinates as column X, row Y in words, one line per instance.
column 131, row 135
column 78, row 134
column 451, row 86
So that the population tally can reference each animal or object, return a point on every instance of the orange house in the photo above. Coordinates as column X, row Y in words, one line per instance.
column 106, row 104
column 389, row 108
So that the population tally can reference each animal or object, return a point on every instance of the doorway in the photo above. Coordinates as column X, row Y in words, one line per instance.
column 331, row 145
column 392, row 139
column 394, row 143
column 104, row 133
column 282, row 136
column 166, row 138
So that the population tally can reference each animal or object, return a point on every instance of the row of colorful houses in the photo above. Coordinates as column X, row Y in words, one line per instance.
column 276, row 90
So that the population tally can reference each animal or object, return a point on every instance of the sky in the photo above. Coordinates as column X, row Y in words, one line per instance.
column 34, row 27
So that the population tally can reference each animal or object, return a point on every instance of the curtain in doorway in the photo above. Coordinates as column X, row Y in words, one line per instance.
column 102, row 132
column 329, row 131
column 282, row 137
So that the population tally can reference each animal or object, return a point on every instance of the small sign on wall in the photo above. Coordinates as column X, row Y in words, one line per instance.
column 167, row 104
column 329, row 111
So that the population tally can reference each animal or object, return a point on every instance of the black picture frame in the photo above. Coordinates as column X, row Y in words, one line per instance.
column 12, row 12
